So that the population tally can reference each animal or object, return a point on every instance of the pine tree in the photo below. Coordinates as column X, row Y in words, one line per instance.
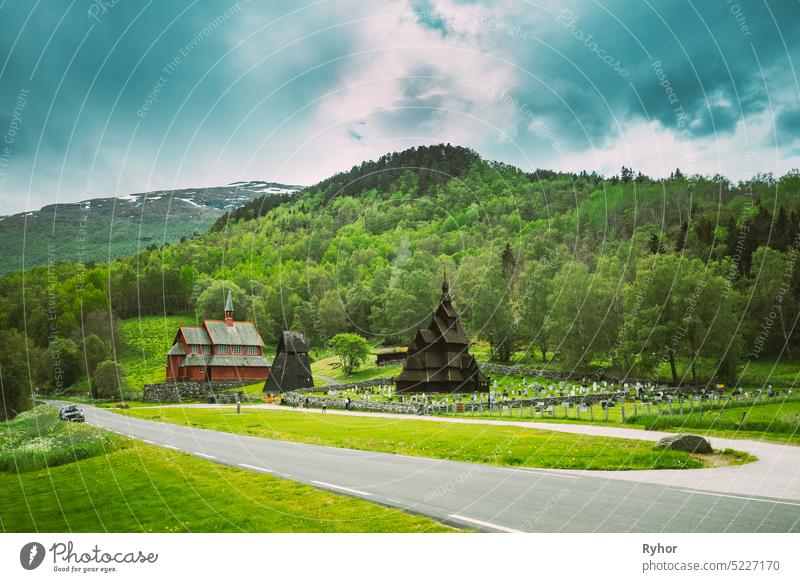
column 654, row 244
column 681, row 242
column 782, row 233
column 509, row 263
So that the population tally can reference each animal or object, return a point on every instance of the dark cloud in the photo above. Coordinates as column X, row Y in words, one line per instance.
column 787, row 124
column 128, row 94
column 712, row 65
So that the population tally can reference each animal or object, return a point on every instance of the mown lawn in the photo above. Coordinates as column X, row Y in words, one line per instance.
column 497, row 445
column 776, row 419
column 777, row 422
column 147, row 489
column 123, row 485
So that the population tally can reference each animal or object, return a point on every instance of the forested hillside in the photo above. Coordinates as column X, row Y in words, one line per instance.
column 623, row 274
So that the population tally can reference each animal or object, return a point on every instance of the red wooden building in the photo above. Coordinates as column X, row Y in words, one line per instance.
column 218, row 351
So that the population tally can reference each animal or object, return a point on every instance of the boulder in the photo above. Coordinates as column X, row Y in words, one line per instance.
column 690, row 443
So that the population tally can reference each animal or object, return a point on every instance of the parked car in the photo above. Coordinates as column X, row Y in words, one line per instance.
column 71, row 413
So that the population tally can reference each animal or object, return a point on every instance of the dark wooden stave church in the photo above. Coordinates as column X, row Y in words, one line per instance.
column 291, row 368
column 438, row 358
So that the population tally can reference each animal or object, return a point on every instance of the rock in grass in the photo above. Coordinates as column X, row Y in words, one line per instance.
column 690, row 443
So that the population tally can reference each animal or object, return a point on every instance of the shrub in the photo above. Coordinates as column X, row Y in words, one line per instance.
column 109, row 380
column 94, row 352
column 60, row 365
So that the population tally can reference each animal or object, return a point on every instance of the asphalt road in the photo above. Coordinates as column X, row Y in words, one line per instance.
column 479, row 496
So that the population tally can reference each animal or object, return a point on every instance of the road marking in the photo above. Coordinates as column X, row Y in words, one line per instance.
column 170, row 447
column 148, row 442
column 332, row 486
column 254, row 468
column 205, row 456
column 535, row 472
column 740, row 497
column 390, row 500
column 484, row 523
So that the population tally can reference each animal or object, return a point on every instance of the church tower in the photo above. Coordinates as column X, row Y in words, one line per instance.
column 229, row 310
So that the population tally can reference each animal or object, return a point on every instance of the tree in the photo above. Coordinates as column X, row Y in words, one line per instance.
column 492, row 313
column 351, row 349
column 211, row 302
column 305, row 320
column 773, row 309
column 331, row 315
column 15, row 384
column 258, row 314
column 585, row 311
column 59, row 365
column 680, row 243
column 509, row 262
column 535, row 307
column 109, row 380
column 654, row 245
column 678, row 310
column 782, row 234
column 94, row 351
column 626, row 174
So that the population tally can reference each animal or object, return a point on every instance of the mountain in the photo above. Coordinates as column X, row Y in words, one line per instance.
column 105, row 228
column 422, row 168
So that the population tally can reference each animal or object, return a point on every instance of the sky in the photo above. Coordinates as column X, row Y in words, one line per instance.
column 108, row 97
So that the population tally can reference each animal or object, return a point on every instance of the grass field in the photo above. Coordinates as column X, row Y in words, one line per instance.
column 782, row 418
column 329, row 367
column 497, row 445
column 778, row 422
column 147, row 340
column 127, row 486
column 144, row 355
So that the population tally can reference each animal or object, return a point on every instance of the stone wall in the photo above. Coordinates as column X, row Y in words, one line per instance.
column 365, row 405
column 178, row 391
column 350, row 385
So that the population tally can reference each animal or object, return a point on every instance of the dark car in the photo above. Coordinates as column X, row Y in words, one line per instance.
column 71, row 413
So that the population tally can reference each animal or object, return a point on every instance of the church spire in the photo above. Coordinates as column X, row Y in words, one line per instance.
column 229, row 309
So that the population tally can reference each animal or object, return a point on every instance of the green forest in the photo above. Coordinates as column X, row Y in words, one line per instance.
column 622, row 275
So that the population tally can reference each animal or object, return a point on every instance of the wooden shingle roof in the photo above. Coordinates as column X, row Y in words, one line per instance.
column 438, row 356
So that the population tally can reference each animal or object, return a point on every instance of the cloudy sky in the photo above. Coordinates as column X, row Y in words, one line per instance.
column 101, row 98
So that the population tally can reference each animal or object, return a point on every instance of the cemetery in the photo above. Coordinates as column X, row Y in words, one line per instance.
column 540, row 399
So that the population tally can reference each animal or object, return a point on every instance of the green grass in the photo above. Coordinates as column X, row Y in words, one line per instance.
column 147, row 340
column 329, row 367
column 36, row 439
column 776, row 422
column 496, row 445
column 144, row 357
column 783, row 418
column 147, row 489
column 784, row 371
column 132, row 487
column 252, row 391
